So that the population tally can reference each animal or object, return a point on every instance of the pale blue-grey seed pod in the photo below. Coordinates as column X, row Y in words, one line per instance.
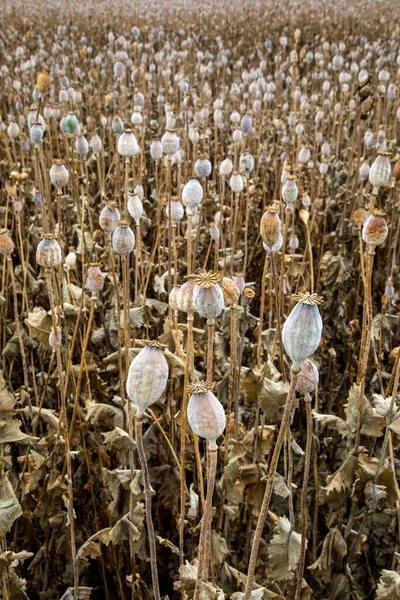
column 202, row 167
column 170, row 142
column 135, row 207
column 36, row 134
column 123, row 239
column 177, row 210
column 290, row 190
column 208, row 297
column 71, row 124
column 96, row 143
column 379, row 174
column 81, row 145
column 147, row 376
column 301, row 333
column 48, row 252
column 246, row 123
column 246, row 163
column 127, row 144
column 156, row 150
column 192, row 193
column 59, row 174
column 94, row 278
column 117, row 124
column 205, row 413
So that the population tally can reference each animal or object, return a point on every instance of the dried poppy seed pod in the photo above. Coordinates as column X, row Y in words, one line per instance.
column 202, row 167
column 135, row 207
column 389, row 289
column 55, row 341
column 304, row 156
column 276, row 247
column 375, row 229
column 301, row 333
column 237, row 136
column 117, row 124
column 36, row 134
column 226, row 167
column 177, row 210
column 94, row 278
column 360, row 216
column 192, row 193
column 307, row 379
column 71, row 124
column 208, row 298
column 96, row 144
column 184, row 297
column 59, row 174
column 380, row 171
column 170, row 142
column 48, row 252
column 81, row 145
column 173, row 295
column 364, row 171
column 214, row 232
column 290, row 190
column 246, row 163
column 127, row 144
column 156, row 150
column 230, row 291
column 238, row 278
column 270, row 226
column 13, row 130
column 205, row 413
column 248, row 296
column 236, row 183
column 6, row 243
column 123, row 239
column 246, row 123
column 70, row 260
column 43, row 81
column 109, row 216
column 147, row 377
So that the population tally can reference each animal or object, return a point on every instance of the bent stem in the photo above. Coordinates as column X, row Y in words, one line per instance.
column 303, row 500
column 270, row 482
column 147, row 498
column 207, row 517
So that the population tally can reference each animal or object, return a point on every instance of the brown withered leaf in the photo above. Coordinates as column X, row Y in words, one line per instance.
column 91, row 548
column 39, row 323
column 126, row 529
column 372, row 421
column 272, row 398
column 333, row 550
column 280, row 487
column 219, row 546
column 11, row 559
column 283, row 551
column 10, row 508
column 119, row 439
column 163, row 542
column 334, row 422
column 340, row 482
column 388, row 586
column 84, row 593
column 251, row 383
column 265, row 439
column 187, row 580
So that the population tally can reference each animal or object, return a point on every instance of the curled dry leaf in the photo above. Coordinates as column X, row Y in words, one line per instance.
column 283, row 551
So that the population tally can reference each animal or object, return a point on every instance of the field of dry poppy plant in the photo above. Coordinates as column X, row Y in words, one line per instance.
column 199, row 322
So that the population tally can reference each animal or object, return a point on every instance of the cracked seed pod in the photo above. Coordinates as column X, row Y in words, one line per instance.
column 94, row 278
column 375, row 229
column 301, row 333
column 109, row 216
column 123, row 239
column 6, row 243
column 127, row 144
column 147, row 376
column 205, row 413
column 184, row 297
column 48, row 252
column 379, row 174
column 248, row 296
column 202, row 167
column 192, row 193
column 172, row 299
column 59, row 174
column 307, row 379
column 238, row 278
column 230, row 291
column 135, row 207
column 170, row 142
column 290, row 190
column 177, row 210
column 208, row 298
column 270, row 226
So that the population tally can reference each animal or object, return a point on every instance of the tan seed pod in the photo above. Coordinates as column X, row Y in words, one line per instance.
column 230, row 291
column 270, row 226
column 375, row 228
column 6, row 244
column 43, row 81
column 360, row 216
